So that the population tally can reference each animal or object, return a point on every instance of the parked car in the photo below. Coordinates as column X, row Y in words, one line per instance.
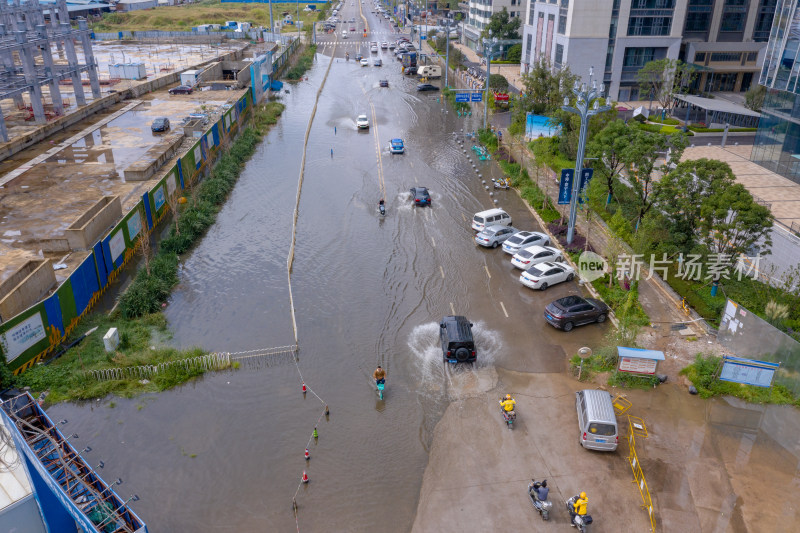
column 352, row 28
column 384, row 45
column 546, row 275
column 455, row 334
column 392, row 46
column 533, row 255
column 362, row 122
column 426, row 86
column 490, row 217
column 378, row 63
column 384, row 83
column 420, row 196
column 493, row 236
column 181, row 89
column 570, row 311
column 396, row 147
column 160, row 125
column 523, row 239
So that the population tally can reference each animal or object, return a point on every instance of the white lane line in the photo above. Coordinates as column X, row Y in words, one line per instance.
column 452, row 309
column 504, row 309
column 462, row 216
column 442, row 271
column 487, row 271
column 415, row 180
column 411, row 163
column 434, row 242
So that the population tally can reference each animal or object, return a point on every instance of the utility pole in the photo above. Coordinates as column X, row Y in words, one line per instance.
column 447, row 56
column 487, row 52
column 587, row 104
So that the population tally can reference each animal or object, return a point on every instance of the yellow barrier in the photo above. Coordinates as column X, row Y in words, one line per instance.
column 636, row 467
column 621, row 405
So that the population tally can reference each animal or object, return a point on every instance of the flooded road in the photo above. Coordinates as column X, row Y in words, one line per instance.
column 226, row 453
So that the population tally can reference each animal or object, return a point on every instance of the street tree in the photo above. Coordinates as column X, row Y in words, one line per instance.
column 681, row 194
column 754, row 97
column 732, row 222
column 502, row 26
column 514, row 53
column 610, row 146
column 498, row 82
column 664, row 78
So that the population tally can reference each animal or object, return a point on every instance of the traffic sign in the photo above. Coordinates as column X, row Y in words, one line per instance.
column 423, row 37
column 477, row 97
column 462, row 97
column 501, row 97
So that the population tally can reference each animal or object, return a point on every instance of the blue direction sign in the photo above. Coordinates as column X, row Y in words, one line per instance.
column 423, row 37
column 565, row 187
column 477, row 97
column 462, row 97
column 586, row 175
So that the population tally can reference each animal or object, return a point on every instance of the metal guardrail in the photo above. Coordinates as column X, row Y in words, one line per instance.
column 636, row 427
column 212, row 361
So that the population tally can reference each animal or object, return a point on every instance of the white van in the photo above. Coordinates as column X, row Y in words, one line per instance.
column 430, row 71
column 597, row 421
column 491, row 217
column 344, row 34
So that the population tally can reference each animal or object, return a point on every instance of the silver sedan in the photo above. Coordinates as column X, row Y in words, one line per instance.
column 523, row 239
column 493, row 236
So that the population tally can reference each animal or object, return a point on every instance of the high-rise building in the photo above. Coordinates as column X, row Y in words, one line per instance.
column 777, row 143
column 725, row 39
column 480, row 11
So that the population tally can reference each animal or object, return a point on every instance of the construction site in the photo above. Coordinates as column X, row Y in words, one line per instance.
column 80, row 153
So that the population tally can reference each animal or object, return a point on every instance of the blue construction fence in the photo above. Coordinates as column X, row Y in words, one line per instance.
column 36, row 332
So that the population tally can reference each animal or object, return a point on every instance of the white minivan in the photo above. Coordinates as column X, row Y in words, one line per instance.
column 344, row 35
column 490, row 217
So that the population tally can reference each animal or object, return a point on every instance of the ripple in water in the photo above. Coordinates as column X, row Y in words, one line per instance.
column 445, row 381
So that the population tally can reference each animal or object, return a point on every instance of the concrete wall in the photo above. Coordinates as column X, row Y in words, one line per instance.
column 97, row 220
column 154, row 158
column 26, row 287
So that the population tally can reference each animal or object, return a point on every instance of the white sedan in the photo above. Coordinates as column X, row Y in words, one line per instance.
column 364, row 62
column 532, row 255
column 546, row 274
column 524, row 239
column 362, row 122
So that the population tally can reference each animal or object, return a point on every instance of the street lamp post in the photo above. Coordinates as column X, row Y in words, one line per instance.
column 487, row 52
column 587, row 104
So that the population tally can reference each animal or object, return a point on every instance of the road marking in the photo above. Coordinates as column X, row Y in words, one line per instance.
column 415, row 180
column 411, row 163
column 452, row 309
column 462, row 216
column 504, row 309
column 487, row 271
column 434, row 242
column 442, row 271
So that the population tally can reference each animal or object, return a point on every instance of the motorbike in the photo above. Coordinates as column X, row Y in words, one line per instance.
column 543, row 506
column 382, row 209
column 500, row 184
column 509, row 417
column 581, row 521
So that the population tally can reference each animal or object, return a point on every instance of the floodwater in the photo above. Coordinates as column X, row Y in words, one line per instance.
column 225, row 453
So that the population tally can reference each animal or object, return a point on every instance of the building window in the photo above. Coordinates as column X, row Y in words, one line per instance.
column 652, row 4
column 700, row 57
column 562, row 24
column 726, row 57
column 528, row 45
column 732, row 22
column 609, row 57
column 638, row 57
column 751, row 57
column 559, row 54
column 531, row 11
column 764, row 16
column 697, row 22
column 649, row 25
column 513, row 2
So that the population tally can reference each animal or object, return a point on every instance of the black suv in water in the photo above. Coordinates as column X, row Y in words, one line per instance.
column 455, row 333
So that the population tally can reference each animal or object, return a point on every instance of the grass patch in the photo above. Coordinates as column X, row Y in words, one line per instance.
column 546, row 151
column 626, row 380
column 668, row 121
column 617, row 297
column 702, row 374
column 149, row 290
column 450, row 96
column 65, row 378
column 303, row 63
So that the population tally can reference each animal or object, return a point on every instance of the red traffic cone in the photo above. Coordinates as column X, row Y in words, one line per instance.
column 305, row 477
column 304, row 387
column 308, row 456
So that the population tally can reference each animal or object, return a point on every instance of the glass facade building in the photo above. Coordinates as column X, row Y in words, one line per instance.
column 777, row 142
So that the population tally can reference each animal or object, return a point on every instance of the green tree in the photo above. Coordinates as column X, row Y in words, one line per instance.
column 514, row 53
column 498, row 82
column 754, row 97
column 665, row 78
column 544, row 89
column 502, row 26
column 610, row 146
column 682, row 193
column 731, row 222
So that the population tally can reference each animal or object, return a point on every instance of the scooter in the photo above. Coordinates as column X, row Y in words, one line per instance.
column 581, row 521
column 508, row 417
column 543, row 506
column 500, row 184
column 382, row 209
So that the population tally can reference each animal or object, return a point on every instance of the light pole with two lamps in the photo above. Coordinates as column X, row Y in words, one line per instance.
column 587, row 105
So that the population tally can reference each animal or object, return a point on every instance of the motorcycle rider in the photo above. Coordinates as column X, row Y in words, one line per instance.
column 382, row 206
column 379, row 376
column 578, row 508
column 541, row 491
column 508, row 404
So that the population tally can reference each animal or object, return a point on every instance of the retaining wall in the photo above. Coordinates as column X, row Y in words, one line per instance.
column 28, row 284
column 85, row 231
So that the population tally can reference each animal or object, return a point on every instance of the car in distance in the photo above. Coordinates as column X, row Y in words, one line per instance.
column 426, row 87
column 493, row 236
column 160, row 125
column 362, row 122
column 384, row 45
column 392, row 46
column 546, row 275
column 378, row 62
column 396, row 147
column 181, row 89
column 523, row 239
column 364, row 62
column 455, row 334
column 384, row 83
column 533, row 255
column 421, row 196
column 570, row 311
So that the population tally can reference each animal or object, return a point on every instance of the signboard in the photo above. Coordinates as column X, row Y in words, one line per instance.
column 116, row 245
column 636, row 365
column 477, row 97
column 565, row 186
column 501, row 97
column 748, row 371
column 171, row 185
column 586, row 175
column 462, row 97
column 135, row 224
column 22, row 336
column 260, row 72
column 158, row 198
column 423, row 37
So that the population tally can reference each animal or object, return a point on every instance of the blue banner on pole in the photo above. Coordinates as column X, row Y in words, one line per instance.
column 462, row 97
column 565, row 186
column 586, row 175
column 477, row 97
